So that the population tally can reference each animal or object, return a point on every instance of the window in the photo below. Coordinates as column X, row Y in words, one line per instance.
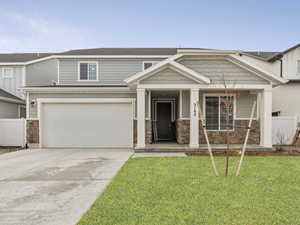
column 7, row 73
column 298, row 66
column 146, row 65
column 88, row 71
column 219, row 111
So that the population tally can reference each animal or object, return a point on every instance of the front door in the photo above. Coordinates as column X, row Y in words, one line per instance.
column 164, row 121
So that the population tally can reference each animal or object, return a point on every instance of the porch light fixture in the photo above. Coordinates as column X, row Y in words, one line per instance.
column 32, row 103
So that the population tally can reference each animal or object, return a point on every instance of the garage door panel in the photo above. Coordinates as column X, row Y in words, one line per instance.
column 87, row 125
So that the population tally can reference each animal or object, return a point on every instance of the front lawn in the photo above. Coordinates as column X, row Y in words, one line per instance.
column 184, row 191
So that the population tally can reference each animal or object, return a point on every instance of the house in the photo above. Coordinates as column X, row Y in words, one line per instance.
column 12, row 78
column 133, row 97
column 11, row 106
column 285, row 64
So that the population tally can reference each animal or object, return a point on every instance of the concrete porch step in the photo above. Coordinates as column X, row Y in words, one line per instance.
column 202, row 148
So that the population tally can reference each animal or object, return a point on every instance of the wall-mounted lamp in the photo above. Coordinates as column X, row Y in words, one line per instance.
column 32, row 103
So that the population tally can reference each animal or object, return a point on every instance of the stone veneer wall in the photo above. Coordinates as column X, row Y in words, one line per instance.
column 32, row 131
column 148, row 131
column 219, row 137
column 183, row 131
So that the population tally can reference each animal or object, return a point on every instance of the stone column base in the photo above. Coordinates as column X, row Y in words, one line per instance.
column 183, row 131
column 32, row 132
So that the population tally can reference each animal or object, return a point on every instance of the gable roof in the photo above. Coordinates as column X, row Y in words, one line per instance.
column 6, row 96
column 169, row 62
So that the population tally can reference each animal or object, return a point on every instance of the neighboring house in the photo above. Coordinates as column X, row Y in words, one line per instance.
column 11, row 106
column 286, row 65
column 137, row 96
column 12, row 78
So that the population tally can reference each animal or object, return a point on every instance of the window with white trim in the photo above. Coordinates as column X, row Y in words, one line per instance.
column 298, row 66
column 146, row 65
column 219, row 112
column 7, row 73
column 88, row 71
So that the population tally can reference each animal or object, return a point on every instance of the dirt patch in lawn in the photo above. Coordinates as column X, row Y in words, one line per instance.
column 5, row 149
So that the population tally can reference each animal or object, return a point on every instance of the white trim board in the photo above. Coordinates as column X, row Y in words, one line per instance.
column 204, row 87
column 71, row 89
column 85, row 100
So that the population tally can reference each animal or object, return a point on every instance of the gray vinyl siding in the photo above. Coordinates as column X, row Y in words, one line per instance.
column 186, row 104
column 35, row 96
column 244, row 102
column 168, row 76
column 13, row 84
column 8, row 110
column 41, row 73
column 110, row 71
column 215, row 69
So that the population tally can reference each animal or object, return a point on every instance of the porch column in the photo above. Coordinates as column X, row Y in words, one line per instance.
column 194, row 118
column 140, row 118
column 266, row 118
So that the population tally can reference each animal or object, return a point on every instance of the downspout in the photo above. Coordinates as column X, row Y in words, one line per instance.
column 280, row 67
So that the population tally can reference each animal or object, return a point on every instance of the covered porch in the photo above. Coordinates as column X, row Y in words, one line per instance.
column 186, row 133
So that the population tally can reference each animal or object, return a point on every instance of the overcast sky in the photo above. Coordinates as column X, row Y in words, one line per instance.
column 58, row 25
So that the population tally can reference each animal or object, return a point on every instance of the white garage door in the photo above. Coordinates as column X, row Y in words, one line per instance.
column 86, row 125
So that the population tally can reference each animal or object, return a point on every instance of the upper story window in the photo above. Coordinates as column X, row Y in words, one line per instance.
column 219, row 112
column 298, row 66
column 148, row 64
column 88, row 71
column 7, row 73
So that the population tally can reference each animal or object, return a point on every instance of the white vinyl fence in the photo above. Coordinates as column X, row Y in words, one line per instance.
column 12, row 132
column 283, row 130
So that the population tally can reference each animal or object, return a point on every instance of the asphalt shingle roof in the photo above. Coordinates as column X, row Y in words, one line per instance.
column 122, row 51
column 25, row 57
column 21, row 57
column 262, row 55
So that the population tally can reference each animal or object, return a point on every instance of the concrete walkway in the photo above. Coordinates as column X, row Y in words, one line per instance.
column 54, row 186
column 158, row 154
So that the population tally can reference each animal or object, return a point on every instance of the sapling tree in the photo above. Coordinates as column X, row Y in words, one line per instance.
column 226, row 114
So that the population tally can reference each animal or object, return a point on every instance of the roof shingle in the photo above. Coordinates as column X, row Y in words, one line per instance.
column 21, row 57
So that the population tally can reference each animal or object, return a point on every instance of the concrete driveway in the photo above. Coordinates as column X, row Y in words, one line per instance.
column 54, row 186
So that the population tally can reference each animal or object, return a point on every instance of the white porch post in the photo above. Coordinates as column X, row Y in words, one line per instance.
column 266, row 117
column 194, row 118
column 140, row 118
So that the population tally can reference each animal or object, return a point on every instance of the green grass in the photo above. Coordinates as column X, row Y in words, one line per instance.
column 184, row 191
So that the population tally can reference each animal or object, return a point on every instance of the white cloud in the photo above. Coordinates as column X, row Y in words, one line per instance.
column 21, row 33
